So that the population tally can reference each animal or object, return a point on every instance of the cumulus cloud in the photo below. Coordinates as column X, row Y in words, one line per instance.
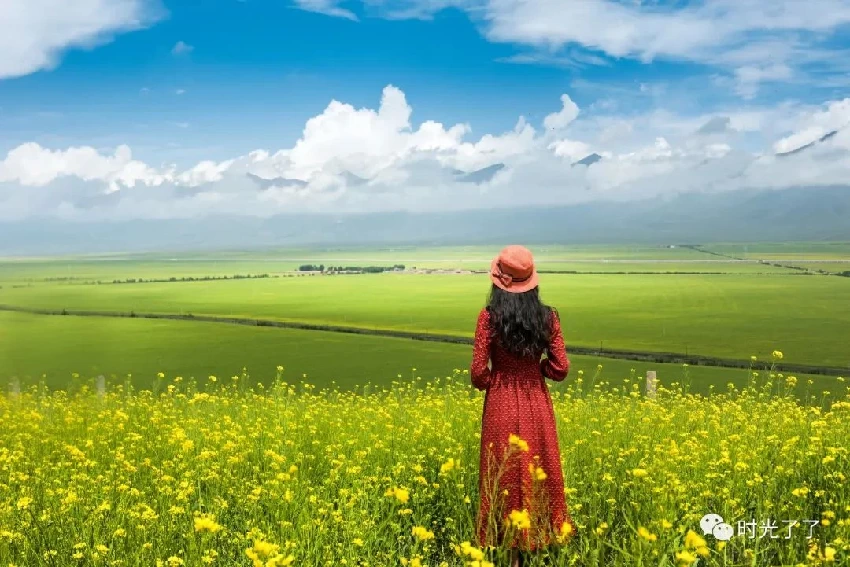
column 351, row 159
column 562, row 119
column 35, row 33
column 31, row 165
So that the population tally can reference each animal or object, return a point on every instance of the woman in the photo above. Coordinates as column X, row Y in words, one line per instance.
column 521, row 483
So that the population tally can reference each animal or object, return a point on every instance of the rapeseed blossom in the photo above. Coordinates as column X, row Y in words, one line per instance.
column 288, row 474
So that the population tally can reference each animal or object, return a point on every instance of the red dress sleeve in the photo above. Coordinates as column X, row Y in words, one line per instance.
column 556, row 365
column 479, row 370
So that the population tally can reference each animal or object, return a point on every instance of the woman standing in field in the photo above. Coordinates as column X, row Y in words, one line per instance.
column 521, row 482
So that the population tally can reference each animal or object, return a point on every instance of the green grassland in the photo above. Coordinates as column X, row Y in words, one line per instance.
column 39, row 272
column 53, row 348
column 785, row 251
column 18, row 272
column 731, row 316
column 555, row 258
column 815, row 266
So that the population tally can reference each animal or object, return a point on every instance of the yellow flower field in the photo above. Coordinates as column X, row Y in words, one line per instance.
column 227, row 473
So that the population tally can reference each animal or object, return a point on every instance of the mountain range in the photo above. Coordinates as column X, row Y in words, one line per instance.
column 798, row 214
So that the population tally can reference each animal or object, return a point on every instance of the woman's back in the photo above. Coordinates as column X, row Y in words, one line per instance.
column 512, row 335
column 509, row 366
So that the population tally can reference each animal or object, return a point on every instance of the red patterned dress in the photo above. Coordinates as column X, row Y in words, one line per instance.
column 518, row 438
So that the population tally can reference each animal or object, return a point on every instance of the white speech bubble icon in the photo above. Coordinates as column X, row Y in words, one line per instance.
column 723, row 532
column 708, row 522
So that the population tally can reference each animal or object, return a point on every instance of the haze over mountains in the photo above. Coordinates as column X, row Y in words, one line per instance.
column 802, row 213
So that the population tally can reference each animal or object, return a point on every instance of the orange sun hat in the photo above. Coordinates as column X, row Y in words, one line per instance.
column 513, row 270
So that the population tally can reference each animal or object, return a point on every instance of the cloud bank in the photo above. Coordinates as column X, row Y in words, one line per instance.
column 351, row 159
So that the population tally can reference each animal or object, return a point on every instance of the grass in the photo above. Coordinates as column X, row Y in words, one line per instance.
column 831, row 267
column 58, row 347
column 201, row 473
column 46, row 272
column 785, row 251
column 731, row 316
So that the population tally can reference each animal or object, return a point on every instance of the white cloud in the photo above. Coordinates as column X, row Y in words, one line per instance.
column 749, row 41
column 562, row 119
column 813, row 125
column 327, row 7
column 351, row 159
column 705, row 32
column 182, row 48
column 751, row 76
column 31, row 165
column 35, row 33
column 180, row 92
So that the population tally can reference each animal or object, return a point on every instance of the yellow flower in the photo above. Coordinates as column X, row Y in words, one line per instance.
column 206, row 523
column 515, row 441
column 24, row 503
column 401, row 494
column 474, row 553
column 564, row 532
column 600, row 529
column 537, row 473
column 639, row 473
column 777, row 354
column 666, row 524
column 357, row 541
column 829, row 554
column 519, row 519
column 422, row 534
column 646, row 534
column 448, row 465
column 685, row 558
column 694, row 540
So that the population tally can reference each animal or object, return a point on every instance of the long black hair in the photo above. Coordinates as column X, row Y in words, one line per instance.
column 520, row 322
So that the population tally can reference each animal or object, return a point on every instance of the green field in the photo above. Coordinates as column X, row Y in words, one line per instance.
column 53, row 348
column 785, row 251
column 750, row 309
column 732, row 316
column 18, row 273
column 815, row 266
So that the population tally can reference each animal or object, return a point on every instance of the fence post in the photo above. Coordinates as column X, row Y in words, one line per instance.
column 651, row 382
column 15, row 388
column 101, row 386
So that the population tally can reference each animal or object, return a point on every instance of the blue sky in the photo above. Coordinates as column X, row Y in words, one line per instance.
column 258, row 69
column 180, row 82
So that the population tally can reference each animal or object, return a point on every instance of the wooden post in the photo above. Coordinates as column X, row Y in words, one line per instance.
column 15, row 388
column 101, row 386
column 651, row 382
